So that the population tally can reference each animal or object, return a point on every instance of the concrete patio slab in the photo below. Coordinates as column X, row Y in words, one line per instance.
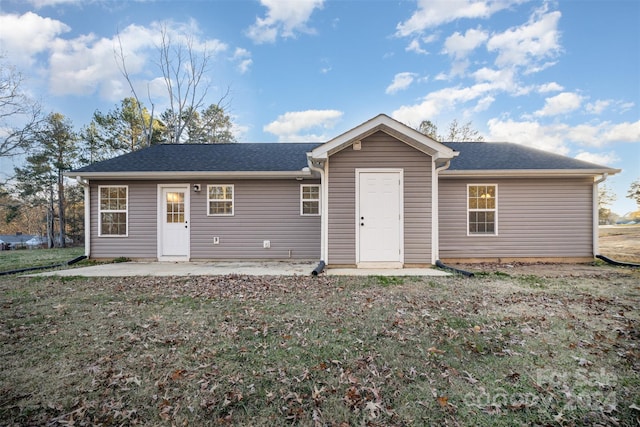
column 220, row 268
column 385, row 272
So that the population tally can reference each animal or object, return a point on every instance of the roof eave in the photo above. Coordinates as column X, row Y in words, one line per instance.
column 192, row 175
column 528, row 173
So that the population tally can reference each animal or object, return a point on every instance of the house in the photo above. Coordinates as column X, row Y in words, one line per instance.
column 14, row 241
column 381, row 194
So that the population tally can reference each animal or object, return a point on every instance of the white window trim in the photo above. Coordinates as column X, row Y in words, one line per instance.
column 100, row 211
column 319, row 199
column 494, row 210
column 233, row 200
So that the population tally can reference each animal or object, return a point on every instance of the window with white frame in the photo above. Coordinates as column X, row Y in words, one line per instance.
column 482, row 203
column 113, row 202
column 220, row 200
column 309, row 199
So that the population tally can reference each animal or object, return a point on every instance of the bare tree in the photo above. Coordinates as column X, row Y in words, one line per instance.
column 20, row 115
column 456, row 133
column 147, row 128
column 184, row 67
column 606, row 197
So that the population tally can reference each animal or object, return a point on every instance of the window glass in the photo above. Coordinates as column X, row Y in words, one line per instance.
column 482, row 203
column 220, row 199
column 309, row 199
column 112, row 206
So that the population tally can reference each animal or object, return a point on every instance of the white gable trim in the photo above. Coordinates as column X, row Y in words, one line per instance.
column 384, row 123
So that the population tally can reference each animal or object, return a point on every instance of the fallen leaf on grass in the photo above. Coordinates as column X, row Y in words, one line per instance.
column 177, row 374
column 583, row 362
column 469, row 378
column 443, row 401
column 513, row 377
column 373, row 408
column 435, row 350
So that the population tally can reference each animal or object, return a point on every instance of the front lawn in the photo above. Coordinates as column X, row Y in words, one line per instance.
column 500, row 349
column 25, row 258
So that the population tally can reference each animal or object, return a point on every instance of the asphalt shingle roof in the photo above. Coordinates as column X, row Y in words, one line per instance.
column 510, row 156
column 284, row 157
column 241, row 157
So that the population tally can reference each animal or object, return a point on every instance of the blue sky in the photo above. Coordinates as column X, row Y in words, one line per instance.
column 560, row 76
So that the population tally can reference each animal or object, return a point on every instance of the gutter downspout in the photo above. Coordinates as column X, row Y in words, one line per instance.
column 435, row 208
column 87, row 215
column 324, row 205
column 596, row 216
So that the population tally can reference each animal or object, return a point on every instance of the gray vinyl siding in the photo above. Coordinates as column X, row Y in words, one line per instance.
column 142, row 223
column 380, row 150
column 263, row 210
column 539, row 218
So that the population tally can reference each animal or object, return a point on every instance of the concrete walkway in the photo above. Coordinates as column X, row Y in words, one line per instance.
column 219, row 268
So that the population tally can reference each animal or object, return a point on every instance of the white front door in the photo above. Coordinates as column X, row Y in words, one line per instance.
column 173, row 223
column 379, row 217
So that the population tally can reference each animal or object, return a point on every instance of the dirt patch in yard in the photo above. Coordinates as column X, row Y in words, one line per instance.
column 621, row 242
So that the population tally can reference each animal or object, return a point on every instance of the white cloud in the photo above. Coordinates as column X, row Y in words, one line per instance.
column 529, row 133
column 483, row 104
column 89, row 62
column 436, row 102
column 623, row 107
column 550, row 87
column 42, row 3
column 414, row 46
column 598, row 158
column 459, row 46
column 243, row 58
column 489, row 83
column 534, row 41
column 27, row 35
column 623, row 132
column 284, row 18
column 300, row 125
column 562, row 103
column 586, row 134
column 502, row 79
column 401, row 81
column 556, row 137
column 434, row 13
column 603, row 133
column 598, row 107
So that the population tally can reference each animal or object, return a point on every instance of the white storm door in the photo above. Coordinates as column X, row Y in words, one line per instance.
column 379, row 216
column 174, row 224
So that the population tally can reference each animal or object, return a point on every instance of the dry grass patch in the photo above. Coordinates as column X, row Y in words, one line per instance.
column 501, row 349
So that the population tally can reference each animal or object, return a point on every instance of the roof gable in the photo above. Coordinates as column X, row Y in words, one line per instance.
column 386, row 124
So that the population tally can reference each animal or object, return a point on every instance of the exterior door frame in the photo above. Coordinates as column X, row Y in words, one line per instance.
column 160, row 221
column 391, row 263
